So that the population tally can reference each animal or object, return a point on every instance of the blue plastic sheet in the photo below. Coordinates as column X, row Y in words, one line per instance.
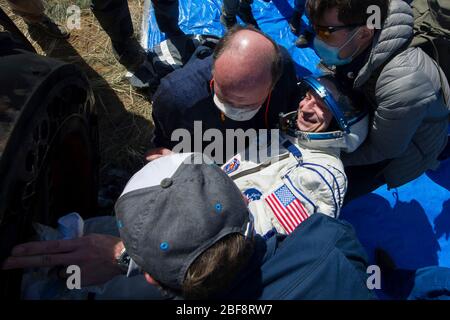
column 203, row 17
column 411, row 223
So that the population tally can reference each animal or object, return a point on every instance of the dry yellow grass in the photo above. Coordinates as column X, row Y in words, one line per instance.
column 125, row 123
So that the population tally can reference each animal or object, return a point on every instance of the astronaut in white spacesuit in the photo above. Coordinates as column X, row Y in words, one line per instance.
column 304, row 175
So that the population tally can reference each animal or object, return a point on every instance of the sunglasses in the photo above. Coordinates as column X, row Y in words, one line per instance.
column 324, row 32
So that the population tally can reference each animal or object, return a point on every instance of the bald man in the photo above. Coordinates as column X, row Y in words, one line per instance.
column 245, row 84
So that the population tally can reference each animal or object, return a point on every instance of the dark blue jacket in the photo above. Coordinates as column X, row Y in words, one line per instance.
column 185, row 96
column 322, row 259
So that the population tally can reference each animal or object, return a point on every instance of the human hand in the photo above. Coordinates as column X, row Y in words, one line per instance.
column 156, row 153
column 95, row 254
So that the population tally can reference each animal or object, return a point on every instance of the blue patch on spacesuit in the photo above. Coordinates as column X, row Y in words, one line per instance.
column 253, row 194
column 232, row 166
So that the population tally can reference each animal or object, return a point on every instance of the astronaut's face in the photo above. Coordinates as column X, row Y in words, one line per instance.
column 313, row 114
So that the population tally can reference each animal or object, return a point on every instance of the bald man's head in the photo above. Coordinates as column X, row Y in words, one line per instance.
column 247, row 65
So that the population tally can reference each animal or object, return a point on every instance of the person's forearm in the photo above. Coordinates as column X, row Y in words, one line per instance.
column 96, row 256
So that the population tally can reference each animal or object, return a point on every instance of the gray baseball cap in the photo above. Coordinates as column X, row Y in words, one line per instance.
column 172, row 210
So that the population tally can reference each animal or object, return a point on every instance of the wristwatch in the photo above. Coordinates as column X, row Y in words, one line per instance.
column 123, row 260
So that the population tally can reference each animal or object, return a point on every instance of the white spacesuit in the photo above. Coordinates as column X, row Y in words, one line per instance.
column 286, row 182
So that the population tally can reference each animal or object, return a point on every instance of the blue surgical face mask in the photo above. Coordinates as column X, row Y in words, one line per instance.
column 330, row 54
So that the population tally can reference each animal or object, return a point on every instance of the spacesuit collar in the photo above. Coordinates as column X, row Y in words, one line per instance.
column 326, row 141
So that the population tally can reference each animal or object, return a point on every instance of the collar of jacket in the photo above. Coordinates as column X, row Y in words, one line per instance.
column 347, row 73
column 395, row 33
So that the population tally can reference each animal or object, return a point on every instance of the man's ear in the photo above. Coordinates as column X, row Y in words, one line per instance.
column 150, row 280
column 366, row 35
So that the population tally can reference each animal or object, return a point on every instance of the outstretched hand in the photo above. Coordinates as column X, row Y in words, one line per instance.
column 95, row 254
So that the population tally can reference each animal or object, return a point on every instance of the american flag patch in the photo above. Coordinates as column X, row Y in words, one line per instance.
column 289, row 211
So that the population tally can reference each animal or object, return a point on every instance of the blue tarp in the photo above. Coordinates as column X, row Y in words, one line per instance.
column 202, row 17
column 411, row 223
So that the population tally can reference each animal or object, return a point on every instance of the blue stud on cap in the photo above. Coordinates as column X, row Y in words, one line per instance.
column 218, row 207
column 164, row 246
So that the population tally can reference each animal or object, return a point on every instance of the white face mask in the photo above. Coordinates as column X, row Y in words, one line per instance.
column 234, row 113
